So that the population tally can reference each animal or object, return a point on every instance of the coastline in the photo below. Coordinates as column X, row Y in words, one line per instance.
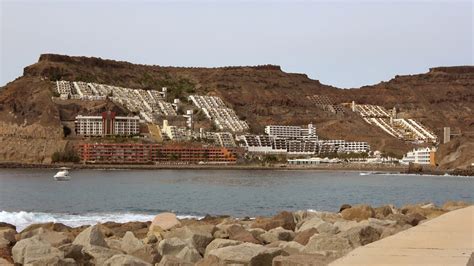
column 323, row 167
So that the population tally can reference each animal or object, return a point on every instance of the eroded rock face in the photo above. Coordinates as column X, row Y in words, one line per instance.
column 122, row 259
column 358, row 213
column 246, row 254
column 92, row 236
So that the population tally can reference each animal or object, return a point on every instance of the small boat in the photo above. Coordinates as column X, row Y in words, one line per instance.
column 62, row 175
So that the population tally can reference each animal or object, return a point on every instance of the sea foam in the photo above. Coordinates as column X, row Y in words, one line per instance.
column 22, row 219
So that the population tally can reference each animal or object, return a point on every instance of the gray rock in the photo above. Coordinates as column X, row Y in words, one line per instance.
column 147, row 253
column 75, row 252
column 122, row 259
column 114, row 243
column 291, row 247
column 92, row 236
column 189, row 254
column 34, row 249
column 246, row 254
column 171, row 246
column 220, row 243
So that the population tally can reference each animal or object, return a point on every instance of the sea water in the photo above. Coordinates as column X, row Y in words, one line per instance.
column 30, row 196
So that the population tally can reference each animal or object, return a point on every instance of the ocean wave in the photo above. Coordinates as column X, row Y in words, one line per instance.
column 22, row 219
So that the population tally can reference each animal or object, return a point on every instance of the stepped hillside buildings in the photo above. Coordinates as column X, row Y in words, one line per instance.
column 224, row 118
column 405, row 129
column 108, row 124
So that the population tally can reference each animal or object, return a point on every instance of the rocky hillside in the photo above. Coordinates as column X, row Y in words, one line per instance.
column 260, row 94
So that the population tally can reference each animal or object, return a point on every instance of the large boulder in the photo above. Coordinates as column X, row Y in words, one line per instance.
column 283, row 219
column 411, row 219
column 189, row 254
column 55, row 238
column 92, row 236
column 5, row 262
column 327, row 242
column 57, row 227
column 237, row 232
column 199, row 237
column 277, row 234
column 130, row 243
column 246, row 254
column 171, row 246
column 303, row 237
column 164, row 221
column 301, row 260
column 4, row 225
column 220, row 243
column 35, row 250
column 388, row 231
column 122, row 259
column 358, row 213
column 361, row 235
column 344, row 206
column 99, row 255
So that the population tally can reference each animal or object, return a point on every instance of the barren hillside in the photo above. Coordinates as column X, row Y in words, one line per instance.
column 261, row 95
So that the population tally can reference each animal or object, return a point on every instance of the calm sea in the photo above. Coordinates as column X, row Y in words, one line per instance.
column 31, row 195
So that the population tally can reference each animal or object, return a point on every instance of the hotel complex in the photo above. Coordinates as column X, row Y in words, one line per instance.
column 152, row 108
column 107, row 125
column 424, row 156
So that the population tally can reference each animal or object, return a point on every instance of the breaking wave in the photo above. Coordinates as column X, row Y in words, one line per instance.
column 22, row 219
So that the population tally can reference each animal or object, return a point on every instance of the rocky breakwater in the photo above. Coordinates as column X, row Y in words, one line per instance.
column 288, row 238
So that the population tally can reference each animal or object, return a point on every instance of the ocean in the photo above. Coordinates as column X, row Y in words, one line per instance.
column 30, row 196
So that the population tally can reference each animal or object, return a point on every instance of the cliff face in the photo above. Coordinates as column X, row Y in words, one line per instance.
column 261, row 95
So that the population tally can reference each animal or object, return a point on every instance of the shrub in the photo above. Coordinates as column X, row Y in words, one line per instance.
column 68, row 155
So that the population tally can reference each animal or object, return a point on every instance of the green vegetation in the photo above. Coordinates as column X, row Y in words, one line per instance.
column 68, row 155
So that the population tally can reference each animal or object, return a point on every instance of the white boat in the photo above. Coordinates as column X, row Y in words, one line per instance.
column 62, row 175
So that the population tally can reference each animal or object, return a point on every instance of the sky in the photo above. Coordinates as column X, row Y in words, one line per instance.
column 346, row 44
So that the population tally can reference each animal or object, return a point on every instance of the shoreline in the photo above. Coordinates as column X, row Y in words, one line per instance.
column 383, row 168
column 338, row 167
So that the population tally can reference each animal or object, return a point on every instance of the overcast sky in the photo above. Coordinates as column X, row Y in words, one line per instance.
column 345, row 43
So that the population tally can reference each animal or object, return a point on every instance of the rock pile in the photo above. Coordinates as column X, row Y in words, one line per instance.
column 299, row 238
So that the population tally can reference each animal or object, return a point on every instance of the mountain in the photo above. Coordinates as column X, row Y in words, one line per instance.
column 31, row 128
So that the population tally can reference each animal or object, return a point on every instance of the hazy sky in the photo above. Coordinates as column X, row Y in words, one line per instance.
column 343, row 43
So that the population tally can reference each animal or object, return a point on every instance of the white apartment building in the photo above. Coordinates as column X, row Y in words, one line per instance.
column 424, row 156
column 292, row 132
column 347, row 146
column 107, row 124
